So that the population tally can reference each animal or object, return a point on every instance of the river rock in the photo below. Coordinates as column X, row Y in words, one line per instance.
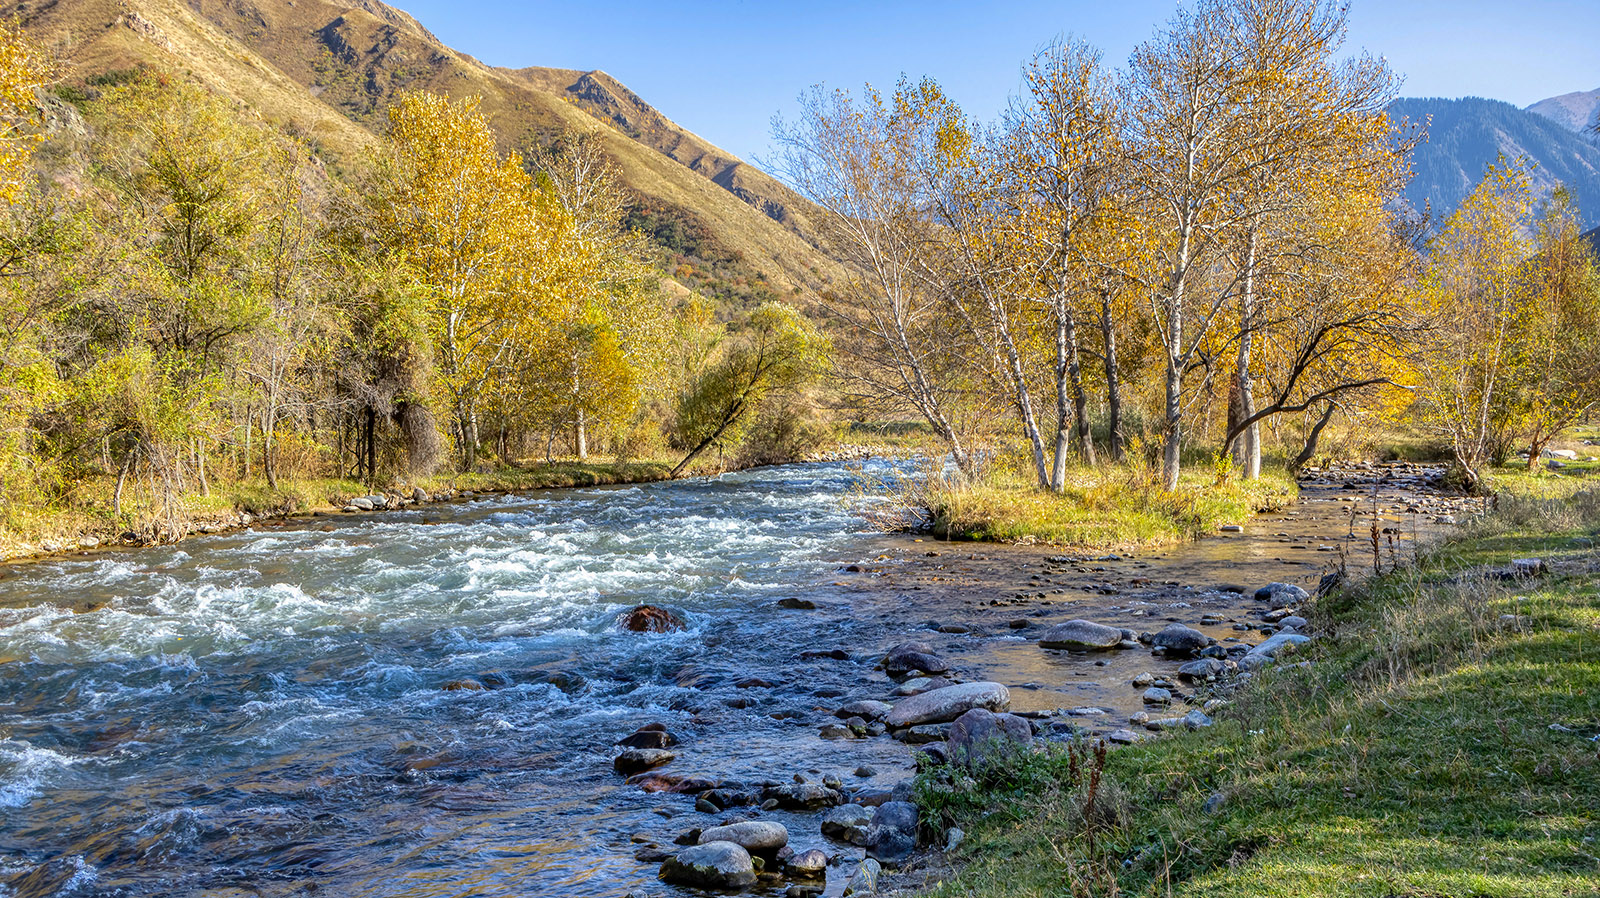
column 1179, row 641
column 892, row 835
column 847, row 823
column 1201, row 670
column 1275, row 643
column 802, row 796
column 864, row 881
column 648, row 737
column 714, row 865
column 638, row 760
column 650, row 619
column 360, row 503
column 943, row 705
column 1294, row 622
column 919, row 685
column 809, row 864
column 797, row 604
column 979, row 737
column 912, row 656
column 922, row 734
column 1081, row 636
column 1282, row 595
column 754, row 836
column 866, row 710
column 1155, row 695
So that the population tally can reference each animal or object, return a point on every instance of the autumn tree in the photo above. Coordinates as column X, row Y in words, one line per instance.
column 470, row 225
column 775, row 352
column 1556, row 344
column 856, row 159
column 1473, row 289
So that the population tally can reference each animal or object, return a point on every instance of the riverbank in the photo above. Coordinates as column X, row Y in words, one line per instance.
column 93, row 525
column 1437, row 738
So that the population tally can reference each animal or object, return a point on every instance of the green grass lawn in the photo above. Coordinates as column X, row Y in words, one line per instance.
column 1432, row 748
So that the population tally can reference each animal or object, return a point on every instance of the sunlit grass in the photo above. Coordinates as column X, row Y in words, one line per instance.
column 1100, row 508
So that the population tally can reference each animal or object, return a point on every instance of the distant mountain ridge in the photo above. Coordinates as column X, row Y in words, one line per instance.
column 328, row 70
column 1466, row 135
column 1578, row 111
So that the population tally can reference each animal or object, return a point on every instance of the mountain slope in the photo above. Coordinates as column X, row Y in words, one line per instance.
column 329, row 70
column 1578, row 111
column 1467, row 135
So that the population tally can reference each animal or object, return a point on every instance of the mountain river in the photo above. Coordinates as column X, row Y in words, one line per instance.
column 280, row 711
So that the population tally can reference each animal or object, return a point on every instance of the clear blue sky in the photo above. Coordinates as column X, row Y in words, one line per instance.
column 722, row 69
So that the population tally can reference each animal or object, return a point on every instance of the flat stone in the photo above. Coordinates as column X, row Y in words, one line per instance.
column 866, row 710
column 1082, row 636
column 944, row 705
column 754, row 836
column 637, row 760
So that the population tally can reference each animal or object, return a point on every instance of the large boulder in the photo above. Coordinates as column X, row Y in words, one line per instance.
column 1179, row 641
column 979, row 737
column 650, row 619
column 755, row 836
column 711, row 865
column 909, row 656
column 943, row 705
column 1081, row 636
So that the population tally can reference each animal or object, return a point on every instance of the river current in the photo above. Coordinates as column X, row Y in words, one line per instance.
column 264, row 712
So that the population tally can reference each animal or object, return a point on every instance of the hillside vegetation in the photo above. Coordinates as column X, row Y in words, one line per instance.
column 329, row 72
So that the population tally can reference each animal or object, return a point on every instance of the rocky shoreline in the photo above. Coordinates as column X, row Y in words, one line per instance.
column 872, row 838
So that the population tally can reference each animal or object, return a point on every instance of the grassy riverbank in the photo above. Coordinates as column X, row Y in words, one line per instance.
column 91, row 517
column 1442, row 744
column 1113, row 507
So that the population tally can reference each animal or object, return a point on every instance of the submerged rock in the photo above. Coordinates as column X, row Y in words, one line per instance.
column 638, row 760
column 1179, row 641
column 715, row 865
column 943, row 705
column 913, row 656
column 650, row 619
column 1081, row 636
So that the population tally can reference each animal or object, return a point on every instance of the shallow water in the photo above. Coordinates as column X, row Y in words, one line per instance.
column 263, row 713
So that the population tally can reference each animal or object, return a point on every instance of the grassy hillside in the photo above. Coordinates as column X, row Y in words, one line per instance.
column 329, row 70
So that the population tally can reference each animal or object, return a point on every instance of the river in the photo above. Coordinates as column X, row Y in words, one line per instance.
column 280, row 711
